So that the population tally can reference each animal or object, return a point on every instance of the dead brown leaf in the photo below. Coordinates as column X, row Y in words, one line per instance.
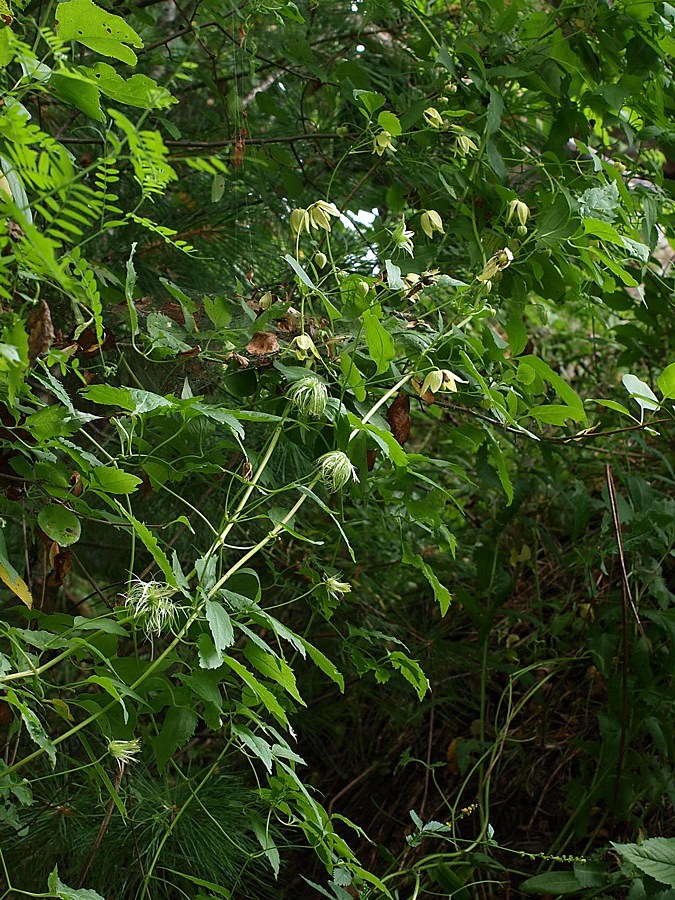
column 264, row 343
column 40, row 330
column 398, row 416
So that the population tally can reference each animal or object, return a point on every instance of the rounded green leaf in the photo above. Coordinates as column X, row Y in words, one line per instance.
column 59, row 524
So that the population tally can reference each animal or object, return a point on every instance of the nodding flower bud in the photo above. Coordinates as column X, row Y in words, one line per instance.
column 335, row 470
column 309, row 395
column 431, row 221
column 299, row 221
column 520, row 210
column 464, row 145
column 304, row 347
column 320, row 259
column 433, row 118
column 320, row 213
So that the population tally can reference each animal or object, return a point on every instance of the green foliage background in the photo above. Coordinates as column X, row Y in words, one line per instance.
column 335, row 450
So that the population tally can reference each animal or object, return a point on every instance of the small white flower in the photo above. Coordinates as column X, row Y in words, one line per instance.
column 320, row 213
column 497, row 263
column 152, row 602
column 335, row 470
column 382, row 142
column 441, row 380
column 309, row 395
column 403, row 237
column 335, row 587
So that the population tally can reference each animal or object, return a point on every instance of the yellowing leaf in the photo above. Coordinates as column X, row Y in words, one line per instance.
column 14, row 581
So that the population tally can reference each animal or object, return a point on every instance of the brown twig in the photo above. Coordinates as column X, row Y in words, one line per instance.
column 628, row 600
column 352, row 783
column 104, row 827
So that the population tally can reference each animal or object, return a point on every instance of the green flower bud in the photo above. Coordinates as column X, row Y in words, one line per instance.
column 299, row 221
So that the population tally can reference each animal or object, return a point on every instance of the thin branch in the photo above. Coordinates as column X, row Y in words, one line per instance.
column 214, row 145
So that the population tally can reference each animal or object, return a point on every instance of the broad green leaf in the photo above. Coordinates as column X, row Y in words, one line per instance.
column 654, row 857
column 254, row 742
column 643, row 395
column 220, row 624
column 623, row 276
column 107, row 395
column 139, row 90
column 300, row 272
column 370, row 100
column 111, row 480
column 494, row 112
column 389, row 122
column 612, row 404
column 63, row 892
column 33, row 726
column 79, row 91
column 85, row 22
column 394, row 279
column 552, row 883
column 273, row 667
column 559, row 385
column 355, row 379
column 178, row 727
column 262, row 832
column 666, row 382
column 205, row 684
column 497, row 459
column 557, row 414
column 59, row 524
column 380, row 343
column 209, row 657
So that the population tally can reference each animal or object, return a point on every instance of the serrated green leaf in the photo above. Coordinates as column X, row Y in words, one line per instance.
column 85, row 22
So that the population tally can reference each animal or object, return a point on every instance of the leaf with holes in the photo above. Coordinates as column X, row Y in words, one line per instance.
column 100, row 31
